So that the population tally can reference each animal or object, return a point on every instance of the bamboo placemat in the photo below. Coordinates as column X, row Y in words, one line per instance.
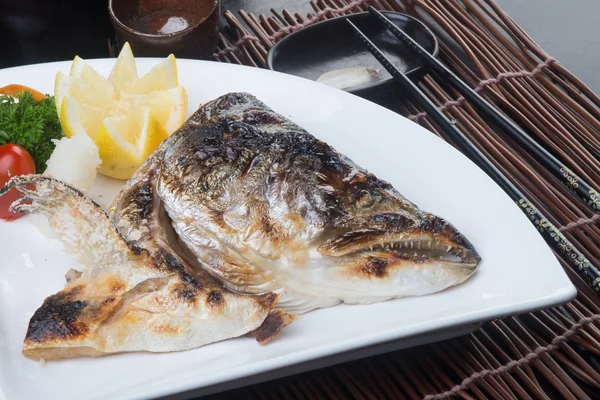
column 546, row 354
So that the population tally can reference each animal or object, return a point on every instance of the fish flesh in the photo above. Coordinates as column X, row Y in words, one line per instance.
column 131, row 295
column 266, row 207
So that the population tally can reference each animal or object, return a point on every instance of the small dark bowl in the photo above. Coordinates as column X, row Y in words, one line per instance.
column 330, row 45
column 139, row 22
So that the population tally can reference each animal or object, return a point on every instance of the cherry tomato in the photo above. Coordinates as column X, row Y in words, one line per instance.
column 12, row 90
column 14, row 160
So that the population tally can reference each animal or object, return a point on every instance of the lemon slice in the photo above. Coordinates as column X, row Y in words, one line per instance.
column 124, row 141
column 126, row 116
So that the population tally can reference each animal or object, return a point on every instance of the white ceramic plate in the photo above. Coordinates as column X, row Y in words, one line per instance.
column 518, row 273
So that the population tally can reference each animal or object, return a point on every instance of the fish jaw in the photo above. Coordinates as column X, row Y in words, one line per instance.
column 361, row 266
column 384, row 266
column 379, row 278
column 417, row 256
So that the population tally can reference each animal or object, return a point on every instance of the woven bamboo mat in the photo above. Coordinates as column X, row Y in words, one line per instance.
column 544, row 355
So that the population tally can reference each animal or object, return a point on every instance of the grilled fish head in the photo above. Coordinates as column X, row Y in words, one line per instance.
column 264, row 205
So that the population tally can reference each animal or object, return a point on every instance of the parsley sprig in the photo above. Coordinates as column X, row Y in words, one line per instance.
column 30, row 124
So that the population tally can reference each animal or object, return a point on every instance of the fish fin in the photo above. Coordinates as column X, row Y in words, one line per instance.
column 227, row 266
column 242, row 273
column 301, row 303
column 84, row 228
column 277, row 319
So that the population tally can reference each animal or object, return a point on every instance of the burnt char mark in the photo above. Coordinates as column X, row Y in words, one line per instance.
column 189, row 287
column 137, row 250
column 262, row 118
column 371, row 267
column 374, row 181
column 231, row 100
column 215, row 299
column 268, row 300
column 434, row 225
column 275, row 322
column 392, row 221
column 58, row 319
column 438, row 226
column 375, row 267
column 186, row 293
column 227, row 106
column 245, row 133
column 167, row 261
column 142, row 197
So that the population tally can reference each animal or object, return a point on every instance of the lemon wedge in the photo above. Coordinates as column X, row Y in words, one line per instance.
column 168, row 106
column 126, row 116
column 125, row 141
column 124, row 72
column 76, row 116
column 162, row 76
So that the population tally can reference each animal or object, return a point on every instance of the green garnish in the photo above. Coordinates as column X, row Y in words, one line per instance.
column 30, row 124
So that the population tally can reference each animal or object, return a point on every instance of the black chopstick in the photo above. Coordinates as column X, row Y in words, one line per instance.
column 557, row 241
column 567, row 177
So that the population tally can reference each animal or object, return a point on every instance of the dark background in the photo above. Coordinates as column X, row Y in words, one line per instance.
column 52, row 30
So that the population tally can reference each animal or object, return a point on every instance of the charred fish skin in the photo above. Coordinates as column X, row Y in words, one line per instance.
column 265, row 206
column 127, row 298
